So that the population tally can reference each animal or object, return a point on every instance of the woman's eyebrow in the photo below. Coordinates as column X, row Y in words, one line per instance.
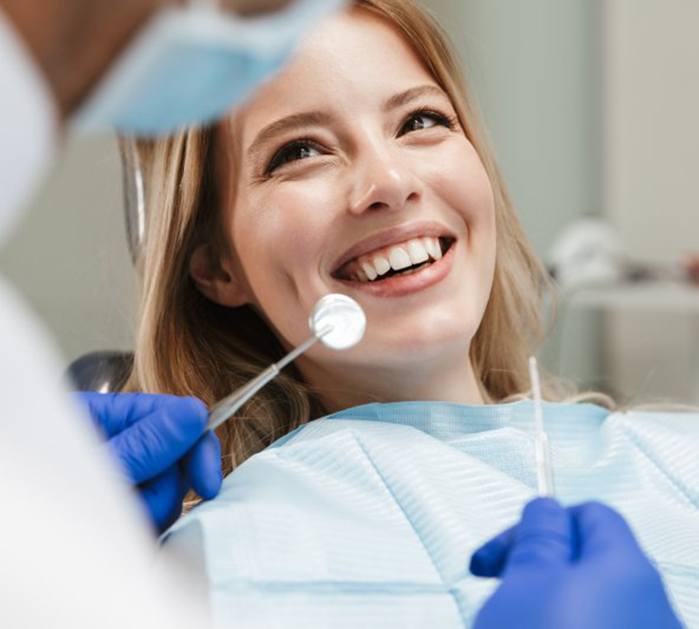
column 398, row 100
column 278, row 127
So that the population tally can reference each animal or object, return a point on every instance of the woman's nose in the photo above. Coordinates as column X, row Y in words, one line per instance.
column 382, row 182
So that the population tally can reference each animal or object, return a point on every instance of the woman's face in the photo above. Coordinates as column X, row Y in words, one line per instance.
column 355, row 177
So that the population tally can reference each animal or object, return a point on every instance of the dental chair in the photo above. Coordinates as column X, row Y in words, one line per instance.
column 107, row 371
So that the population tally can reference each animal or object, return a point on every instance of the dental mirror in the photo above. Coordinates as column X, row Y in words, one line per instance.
column 337, row 321
column 343, row 316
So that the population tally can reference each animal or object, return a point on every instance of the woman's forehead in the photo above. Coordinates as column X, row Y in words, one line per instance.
column 351, row 60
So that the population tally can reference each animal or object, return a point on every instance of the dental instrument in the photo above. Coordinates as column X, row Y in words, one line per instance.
column 337, row 321
column 542, row 449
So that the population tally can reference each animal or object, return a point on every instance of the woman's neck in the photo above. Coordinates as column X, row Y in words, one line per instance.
column 443, row 381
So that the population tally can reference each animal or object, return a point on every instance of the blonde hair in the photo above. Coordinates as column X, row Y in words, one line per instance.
column 188, row 345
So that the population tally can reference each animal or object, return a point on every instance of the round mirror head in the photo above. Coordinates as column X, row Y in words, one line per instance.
column 343, row 316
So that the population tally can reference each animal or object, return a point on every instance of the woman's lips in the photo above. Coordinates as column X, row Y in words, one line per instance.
column 402, row 285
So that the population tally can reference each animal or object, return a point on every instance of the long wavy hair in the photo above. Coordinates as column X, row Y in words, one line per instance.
column 188, row 345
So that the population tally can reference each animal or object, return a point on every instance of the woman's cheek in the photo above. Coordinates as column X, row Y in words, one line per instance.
column 455, row 173
column 301, row 220
column 469, row 202
column 272, row 236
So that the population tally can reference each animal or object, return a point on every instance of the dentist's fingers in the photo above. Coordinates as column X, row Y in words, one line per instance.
column 602, row 530
column 162, row 437
column 490, row 559
column 202, row 466
column 545, row 538
column 163, row 497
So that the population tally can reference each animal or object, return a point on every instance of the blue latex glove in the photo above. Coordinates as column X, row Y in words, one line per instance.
column 161, row 444
column 575, row 568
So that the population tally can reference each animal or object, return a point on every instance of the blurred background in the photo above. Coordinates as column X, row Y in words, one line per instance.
column 591, row 107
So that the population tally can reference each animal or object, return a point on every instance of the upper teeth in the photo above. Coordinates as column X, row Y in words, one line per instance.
column 369, row 267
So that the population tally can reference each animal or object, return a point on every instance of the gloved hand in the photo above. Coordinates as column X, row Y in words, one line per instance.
column 160, row 443
column 575, row 568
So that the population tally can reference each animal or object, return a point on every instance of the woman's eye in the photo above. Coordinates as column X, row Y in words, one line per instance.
column 292, row 153
column 425, row 120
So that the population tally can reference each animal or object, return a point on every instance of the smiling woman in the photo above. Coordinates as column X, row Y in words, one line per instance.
column 365, row 155
column 362, row 169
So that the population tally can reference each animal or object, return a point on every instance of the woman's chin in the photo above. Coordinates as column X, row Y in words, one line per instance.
column 401, row 353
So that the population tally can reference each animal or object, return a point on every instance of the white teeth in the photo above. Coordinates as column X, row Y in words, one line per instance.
column 381, row 265
column 417, row 252
column 369, row 271
column 399, row 258
column 433, row 248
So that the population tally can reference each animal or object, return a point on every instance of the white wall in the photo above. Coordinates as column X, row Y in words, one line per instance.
column 652, row 169
column 652, row 126
column 69, row 257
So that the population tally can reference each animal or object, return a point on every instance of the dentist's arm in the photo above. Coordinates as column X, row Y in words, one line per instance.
column 161, row 444
column 576, row 568
column 74, row 41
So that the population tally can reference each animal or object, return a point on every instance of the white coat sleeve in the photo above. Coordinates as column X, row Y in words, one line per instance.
column 75, row 548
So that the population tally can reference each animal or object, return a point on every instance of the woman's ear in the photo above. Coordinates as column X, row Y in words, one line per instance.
column 214, row 281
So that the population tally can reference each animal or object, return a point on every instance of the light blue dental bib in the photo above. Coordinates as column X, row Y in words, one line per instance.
column 368, row 518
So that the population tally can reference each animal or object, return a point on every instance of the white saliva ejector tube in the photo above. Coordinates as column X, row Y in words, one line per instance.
column 542, row 448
